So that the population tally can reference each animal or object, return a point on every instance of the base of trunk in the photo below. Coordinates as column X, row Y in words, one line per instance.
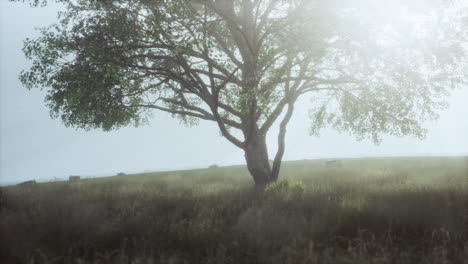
column 256, row 156
column 263, row 170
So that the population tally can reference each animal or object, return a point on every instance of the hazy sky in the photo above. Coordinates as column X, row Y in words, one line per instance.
column 33, row 146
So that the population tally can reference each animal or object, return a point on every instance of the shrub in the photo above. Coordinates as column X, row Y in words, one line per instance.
column 284, row 190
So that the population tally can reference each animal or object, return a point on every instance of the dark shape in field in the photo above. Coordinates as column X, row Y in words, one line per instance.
column 121, row 174
column 1, row 198
column 333, row 163
column 213, row 166
column 27, row 183
column 73, row 178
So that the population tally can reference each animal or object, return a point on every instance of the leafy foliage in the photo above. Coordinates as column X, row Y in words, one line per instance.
column 284, row 189
column 106, row 62
column 244, row 64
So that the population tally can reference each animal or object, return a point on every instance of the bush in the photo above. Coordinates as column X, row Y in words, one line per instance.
column 213, row 166
column 121, row 174
column 284, row 190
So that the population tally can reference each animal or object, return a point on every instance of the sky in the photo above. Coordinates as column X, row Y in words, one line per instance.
column 34, row 146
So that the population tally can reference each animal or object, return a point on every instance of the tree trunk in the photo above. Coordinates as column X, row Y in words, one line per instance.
column 256, row 156
column 256, row 153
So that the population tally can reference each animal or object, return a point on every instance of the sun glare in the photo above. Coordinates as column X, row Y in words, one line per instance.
column 403, row 19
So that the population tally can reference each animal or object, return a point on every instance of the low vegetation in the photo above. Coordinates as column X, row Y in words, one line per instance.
column 394, row 210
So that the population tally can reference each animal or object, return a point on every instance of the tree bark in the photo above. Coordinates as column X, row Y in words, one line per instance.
column 256, row 156
column 281, row 145
column 256, row 152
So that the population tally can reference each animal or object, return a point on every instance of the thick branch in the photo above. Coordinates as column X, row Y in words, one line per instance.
column 224, row 131
column 281, row 145
column 202, row 111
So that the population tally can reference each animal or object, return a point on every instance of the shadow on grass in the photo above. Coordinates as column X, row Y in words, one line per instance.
column 122, row 222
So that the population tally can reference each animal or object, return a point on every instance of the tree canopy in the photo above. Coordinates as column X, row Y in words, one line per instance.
column 244, row 63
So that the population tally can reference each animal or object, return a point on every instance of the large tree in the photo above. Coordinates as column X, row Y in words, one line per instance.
column 244, row 63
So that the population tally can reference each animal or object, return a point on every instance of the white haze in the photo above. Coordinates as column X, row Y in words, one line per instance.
column 32, row 146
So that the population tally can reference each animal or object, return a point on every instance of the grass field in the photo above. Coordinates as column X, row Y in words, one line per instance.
column 369, row 210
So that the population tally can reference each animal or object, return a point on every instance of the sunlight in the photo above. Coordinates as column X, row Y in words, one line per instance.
column 404, row 19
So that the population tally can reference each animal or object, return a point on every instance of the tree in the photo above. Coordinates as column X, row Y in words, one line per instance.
column 244, row 63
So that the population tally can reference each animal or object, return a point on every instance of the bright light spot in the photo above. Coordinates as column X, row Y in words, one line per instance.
column 402, row 19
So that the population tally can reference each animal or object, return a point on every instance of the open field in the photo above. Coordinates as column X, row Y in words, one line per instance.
column 373, row 210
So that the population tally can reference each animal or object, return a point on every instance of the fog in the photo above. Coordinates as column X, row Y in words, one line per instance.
column 34, row 146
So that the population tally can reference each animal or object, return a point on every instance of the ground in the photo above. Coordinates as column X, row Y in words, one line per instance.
column 367, row 210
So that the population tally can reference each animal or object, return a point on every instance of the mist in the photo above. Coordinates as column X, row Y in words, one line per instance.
column 34, row 146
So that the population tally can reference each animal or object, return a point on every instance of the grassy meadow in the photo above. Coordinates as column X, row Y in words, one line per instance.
column 368, row 210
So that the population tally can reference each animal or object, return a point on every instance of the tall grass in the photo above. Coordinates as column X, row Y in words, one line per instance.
column 400, row 210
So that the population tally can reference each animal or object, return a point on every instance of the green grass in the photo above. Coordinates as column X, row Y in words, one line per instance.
column 373, row 210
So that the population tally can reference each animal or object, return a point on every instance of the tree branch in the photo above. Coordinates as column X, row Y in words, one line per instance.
column 281, row 145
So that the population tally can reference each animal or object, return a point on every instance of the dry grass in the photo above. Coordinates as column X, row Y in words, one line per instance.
column 397, row 210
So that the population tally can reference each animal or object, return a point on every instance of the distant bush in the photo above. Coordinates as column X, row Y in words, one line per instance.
column 121, row 174
column 213, row 166
column 74, row 178
column 30, row 183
